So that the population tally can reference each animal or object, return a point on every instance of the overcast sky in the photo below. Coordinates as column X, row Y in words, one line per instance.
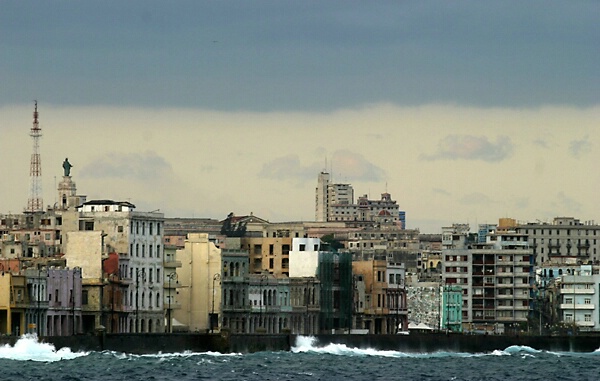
column 464, row 111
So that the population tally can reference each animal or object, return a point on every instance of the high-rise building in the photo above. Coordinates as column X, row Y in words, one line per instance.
column 495, row 276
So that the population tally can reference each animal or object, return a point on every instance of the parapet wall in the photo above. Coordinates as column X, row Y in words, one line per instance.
column 249, row 343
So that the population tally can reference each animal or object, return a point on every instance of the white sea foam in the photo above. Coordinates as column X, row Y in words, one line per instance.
column 28, row 348
column 308, row 344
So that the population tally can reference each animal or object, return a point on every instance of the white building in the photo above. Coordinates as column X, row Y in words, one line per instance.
column 137, row 237
column 578, row 303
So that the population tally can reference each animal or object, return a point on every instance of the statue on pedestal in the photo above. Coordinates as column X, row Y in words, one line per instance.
column 67, row 167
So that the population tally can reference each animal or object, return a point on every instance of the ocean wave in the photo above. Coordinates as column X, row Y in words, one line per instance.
column 29, row 348
column 309, row 344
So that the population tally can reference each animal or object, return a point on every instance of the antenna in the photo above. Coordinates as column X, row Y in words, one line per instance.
column 35, row 203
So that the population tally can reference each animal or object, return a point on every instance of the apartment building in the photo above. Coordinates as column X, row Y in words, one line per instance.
column 384, row 310
column 495, row 277
column 565, row 240
column 335, row 203
column 137, row 237
column 578, row 299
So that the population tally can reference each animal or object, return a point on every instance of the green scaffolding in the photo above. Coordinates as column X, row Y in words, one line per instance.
column 335, row 275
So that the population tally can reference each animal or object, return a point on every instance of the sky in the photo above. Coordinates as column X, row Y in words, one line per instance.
column 464, row 111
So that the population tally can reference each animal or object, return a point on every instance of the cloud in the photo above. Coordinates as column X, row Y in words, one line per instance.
column 441, row 191
column 345, row 164
column 521, row 203
column 355, row 167
column 144, row 166
column 541, row 143
column 469, row 147
column 288, row 167
column 578, row 148
column 476, row 199
column 567, row 203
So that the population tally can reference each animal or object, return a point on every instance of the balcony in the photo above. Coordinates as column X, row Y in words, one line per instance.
column 173, row 306
column 171, row 264
column 577, row 291
column 579, row 307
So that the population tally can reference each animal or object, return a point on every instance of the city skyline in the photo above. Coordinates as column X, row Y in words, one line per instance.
column 464, row 113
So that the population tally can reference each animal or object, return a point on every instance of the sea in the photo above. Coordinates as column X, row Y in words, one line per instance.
column 29, row 359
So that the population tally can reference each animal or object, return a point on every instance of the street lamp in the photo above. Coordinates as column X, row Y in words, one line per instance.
column 171, row 276
column 260, row 300
column 138, row 273
column 216, row 277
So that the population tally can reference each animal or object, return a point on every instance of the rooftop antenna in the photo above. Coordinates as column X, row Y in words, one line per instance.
column 35, row 203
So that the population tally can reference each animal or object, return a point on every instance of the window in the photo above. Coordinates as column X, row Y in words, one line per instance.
column 120, row 229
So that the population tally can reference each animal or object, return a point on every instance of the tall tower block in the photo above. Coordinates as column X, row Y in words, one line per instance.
column 35, row 203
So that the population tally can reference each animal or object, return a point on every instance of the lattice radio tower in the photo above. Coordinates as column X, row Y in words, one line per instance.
column 35, row 203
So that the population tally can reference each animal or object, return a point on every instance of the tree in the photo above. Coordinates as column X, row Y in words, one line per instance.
column 231, row 228
column 331, row 243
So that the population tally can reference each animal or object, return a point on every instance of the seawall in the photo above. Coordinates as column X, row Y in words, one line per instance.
column 249, row 343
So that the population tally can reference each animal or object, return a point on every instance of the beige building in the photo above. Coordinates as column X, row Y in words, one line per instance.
column 137, row 239
column 14, row 300
column 85, row 250
column 383, row 307
column 199, row 283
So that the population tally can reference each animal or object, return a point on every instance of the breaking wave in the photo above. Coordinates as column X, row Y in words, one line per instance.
column 29, row 348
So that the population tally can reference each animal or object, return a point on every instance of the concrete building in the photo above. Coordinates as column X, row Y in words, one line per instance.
column 235, row 280
column 578, row 299
column 199, row 283
column 335, row 202
column 37, row 286
column 565, row 240
column 495, row 276
column 398, row 245
column 385, row 308
column 305, row 285
column 171, row 288
column 64, row 315
column 85, row 250
column 429, row 259
column 329, row 195
column 14, row 301
column 137, row 238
